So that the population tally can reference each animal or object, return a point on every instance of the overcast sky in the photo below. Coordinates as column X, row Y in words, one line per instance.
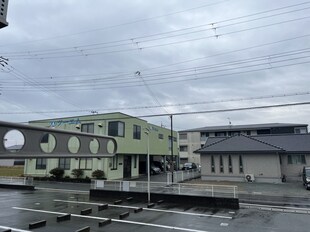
column 145, row 57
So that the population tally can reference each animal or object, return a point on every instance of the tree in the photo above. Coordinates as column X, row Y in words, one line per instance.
column 77, row 173
column 57, row 173
column 98, row 174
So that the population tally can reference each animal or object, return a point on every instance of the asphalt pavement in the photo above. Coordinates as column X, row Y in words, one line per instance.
column 288, row 193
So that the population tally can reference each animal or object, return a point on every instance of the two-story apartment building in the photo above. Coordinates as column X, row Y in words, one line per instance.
column 193, row 139
column 132, row 135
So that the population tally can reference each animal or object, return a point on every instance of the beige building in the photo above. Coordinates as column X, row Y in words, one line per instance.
column 264, row 158
column 193, row 139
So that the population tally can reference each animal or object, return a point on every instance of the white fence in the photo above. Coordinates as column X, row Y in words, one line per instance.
column 224, row 191
column 180, row 176
column 16, row 180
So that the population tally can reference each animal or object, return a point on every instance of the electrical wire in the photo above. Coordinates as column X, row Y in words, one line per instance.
column 81, row 50
column 166, row 105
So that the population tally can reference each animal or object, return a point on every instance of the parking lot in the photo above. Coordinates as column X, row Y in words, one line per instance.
column 20, row 208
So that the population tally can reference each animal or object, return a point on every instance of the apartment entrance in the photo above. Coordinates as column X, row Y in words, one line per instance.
column 127, row 166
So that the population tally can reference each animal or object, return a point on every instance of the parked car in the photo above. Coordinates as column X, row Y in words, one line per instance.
column 158, row 164
column 189, row 166
column 306, row 177
column 154, row 170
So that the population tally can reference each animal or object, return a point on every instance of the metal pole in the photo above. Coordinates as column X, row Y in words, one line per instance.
column 171, row 132
column 148, row 169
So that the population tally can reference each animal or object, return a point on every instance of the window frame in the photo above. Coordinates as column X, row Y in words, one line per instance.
column 87, row 160
column 136, row 132
column 114, row 162
column 230, row 166
column 67, row 161
column 87, row 125
column 221, row 164
column 41, row 163
column 241, row 167
column 296, row 159
column 111, row 130
column 212, row 164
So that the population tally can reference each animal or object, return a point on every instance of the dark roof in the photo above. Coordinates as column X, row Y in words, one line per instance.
column 250, row 144
column 243, row 127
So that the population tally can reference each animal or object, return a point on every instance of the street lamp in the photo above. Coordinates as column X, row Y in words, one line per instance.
column 147, row 132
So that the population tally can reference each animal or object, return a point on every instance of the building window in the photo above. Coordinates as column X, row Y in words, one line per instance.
column 116, row 129
column 220, row 134
column 221, row 164
column 136, row 132
column 41, row 163
column 212, row 164
column 230, row 169
column 204, row 134
column 263, row 132
column 296, row 159
column 44, row 138
column 300, row 130
column 160, row 136
column 86, row 164
column 233, row 133
column 183, row 148
column 88, row 128
column 183, row 136
column 248, row 133
column 240, row 164
column 64, row 163
column 114, row 162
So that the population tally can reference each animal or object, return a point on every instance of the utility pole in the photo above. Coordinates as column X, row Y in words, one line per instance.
column 3, row 13
column 171, row 139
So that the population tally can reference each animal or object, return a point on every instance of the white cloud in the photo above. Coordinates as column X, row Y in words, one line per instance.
column 38, row 25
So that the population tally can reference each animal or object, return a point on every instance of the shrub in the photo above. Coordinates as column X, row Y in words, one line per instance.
column 77, row 173
column 98, row 174
column 57, row 173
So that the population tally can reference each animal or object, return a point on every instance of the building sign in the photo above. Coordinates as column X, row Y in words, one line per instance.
column 62, row 122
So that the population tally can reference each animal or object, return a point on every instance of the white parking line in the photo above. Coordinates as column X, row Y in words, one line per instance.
column 148, row 209
column 13, row 229
column 114, row 220
column 277, row 208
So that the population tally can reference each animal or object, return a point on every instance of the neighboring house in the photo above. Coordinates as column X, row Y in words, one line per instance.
column 193, row 139
column 12, row 162
column 264, row 158
column 131, row 138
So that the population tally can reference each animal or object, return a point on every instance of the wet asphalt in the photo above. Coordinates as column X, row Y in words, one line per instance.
column 19, row 208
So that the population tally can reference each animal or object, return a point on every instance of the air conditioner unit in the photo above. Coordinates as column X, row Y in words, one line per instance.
column 249, row 177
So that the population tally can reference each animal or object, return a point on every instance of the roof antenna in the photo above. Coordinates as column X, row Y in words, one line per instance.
column 229, row 122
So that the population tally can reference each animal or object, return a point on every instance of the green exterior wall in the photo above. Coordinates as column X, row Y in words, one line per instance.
column 127, row 145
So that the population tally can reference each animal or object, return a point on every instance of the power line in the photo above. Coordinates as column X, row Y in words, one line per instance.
column 203, row 111
column 122, row 74
column 167, row 105
column 189, row 77
column 119, row 25
column 82, row 51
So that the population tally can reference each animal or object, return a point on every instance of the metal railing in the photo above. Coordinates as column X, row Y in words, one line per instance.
column 223, row 191
column 16, row 180
column 179, row 176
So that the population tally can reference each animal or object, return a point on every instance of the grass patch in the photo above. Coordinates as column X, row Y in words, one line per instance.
column 12, row 171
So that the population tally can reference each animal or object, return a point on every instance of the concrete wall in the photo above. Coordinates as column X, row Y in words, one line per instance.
column 293, row 172
column 265, row 167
